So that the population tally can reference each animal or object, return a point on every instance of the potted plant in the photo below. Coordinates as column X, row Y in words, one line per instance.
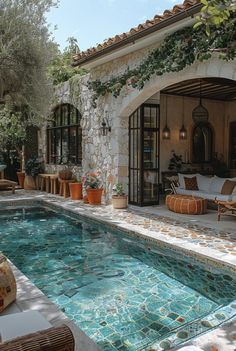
column 21, row 172
column 119, row 199
column 175, row 162
column 66, row 173
column 76, row 189
column 32, row 169
column 93, row 185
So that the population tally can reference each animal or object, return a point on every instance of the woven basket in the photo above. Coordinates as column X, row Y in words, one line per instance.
column 65, row 174
column 53, row 339
column 7, row 284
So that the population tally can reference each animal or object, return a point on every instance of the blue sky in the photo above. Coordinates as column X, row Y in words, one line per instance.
column 92, row 21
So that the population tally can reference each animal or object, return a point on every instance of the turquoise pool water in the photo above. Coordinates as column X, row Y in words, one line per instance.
column 125, row 293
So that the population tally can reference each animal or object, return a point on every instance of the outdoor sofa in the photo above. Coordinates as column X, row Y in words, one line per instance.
column 210, row 188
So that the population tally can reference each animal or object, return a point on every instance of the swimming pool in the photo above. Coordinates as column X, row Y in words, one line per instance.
column 125, row 293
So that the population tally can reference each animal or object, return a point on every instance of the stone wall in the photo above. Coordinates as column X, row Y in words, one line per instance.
column 109, row 154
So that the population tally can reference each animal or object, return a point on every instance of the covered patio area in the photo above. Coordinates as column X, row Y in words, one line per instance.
column 187, row 127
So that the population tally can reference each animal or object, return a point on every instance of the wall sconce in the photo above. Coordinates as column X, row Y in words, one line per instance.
column 166, row 130
column 105, row 127
column 183, row 130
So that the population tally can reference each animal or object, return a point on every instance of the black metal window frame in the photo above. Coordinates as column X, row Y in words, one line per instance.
column 56, row 127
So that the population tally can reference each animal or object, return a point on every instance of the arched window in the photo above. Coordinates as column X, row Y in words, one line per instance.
column 64, row 136
column 202, row 143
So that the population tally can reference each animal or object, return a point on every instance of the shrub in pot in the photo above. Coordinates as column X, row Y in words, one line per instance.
column 119, row 199
column 93, row 185
column 33, row 167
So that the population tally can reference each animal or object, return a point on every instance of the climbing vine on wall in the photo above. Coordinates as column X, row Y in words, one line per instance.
column 176, row 51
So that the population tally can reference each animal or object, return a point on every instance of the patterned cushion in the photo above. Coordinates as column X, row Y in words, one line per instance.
column 228, row 187
column 191, row 183
column 181, row 177
column 7, row 284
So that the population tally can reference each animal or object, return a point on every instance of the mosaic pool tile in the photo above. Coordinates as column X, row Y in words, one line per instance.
column 124, row 293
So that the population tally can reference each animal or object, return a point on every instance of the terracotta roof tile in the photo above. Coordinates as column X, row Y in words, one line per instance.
column 141, row 27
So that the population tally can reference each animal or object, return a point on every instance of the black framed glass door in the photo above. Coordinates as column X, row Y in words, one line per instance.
column 144, row 147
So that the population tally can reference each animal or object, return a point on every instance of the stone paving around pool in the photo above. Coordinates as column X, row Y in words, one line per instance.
column 206, row 242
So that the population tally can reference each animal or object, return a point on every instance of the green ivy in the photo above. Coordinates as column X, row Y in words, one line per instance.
column 176, row 51
column 215, row 13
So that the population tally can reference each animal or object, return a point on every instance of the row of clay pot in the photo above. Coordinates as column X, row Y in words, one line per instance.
column 93, row 196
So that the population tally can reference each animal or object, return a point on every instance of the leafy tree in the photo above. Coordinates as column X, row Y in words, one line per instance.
column 12, row 131
column 61, row 68
column 25, row 53
column 215, row 13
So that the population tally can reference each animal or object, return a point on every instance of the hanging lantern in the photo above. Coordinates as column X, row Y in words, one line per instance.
column 166, row 133
column 183, row 133
column 200, row 113
column 183, row 130
column 166, row 130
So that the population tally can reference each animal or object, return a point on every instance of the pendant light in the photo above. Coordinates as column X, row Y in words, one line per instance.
column 200, row 113
column 183, row 130
column 166, row 130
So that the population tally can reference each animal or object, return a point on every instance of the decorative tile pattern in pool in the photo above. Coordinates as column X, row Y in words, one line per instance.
column 122, row 293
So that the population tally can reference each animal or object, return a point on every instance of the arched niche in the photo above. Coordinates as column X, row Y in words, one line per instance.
column 202, row 143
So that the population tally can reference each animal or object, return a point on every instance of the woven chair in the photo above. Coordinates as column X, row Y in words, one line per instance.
column 174, row 182
column 226, row 207
column 52, row 339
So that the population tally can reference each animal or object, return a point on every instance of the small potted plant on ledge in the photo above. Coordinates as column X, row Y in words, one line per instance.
column 119, row 199
column 76, row 189
column 93, row 185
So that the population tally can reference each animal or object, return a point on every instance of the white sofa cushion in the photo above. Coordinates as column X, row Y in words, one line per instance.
column 217, row 184
column 181, row 179
column 204, row 182
column 205, row 195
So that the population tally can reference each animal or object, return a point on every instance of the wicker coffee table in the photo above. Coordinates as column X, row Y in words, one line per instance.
column 186, row 204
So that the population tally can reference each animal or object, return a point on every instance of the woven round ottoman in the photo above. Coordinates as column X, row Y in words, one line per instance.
column 186, row 204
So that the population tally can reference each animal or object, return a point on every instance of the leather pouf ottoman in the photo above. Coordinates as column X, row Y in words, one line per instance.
column 186, row 204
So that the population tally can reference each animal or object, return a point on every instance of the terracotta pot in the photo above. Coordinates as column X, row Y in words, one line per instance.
column 119, row 201
column 29, row 183
column 76, row 191
column 21, row 178
column 94, row 196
